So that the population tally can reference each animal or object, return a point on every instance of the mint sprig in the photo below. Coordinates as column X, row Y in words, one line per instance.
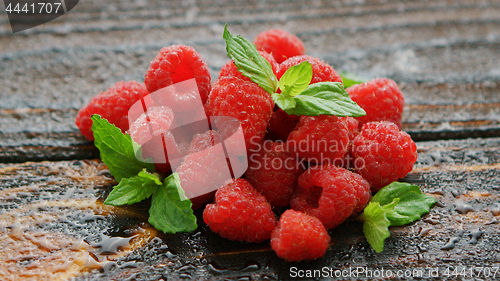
column 296, row 79
column 131, row 190
column 297, row 96
column 249, row 62
column 170, row 210
column 117, row 150
column 325, row 98
column 394, row 205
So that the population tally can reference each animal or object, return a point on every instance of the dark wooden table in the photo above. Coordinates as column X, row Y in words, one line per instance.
column 445, row 55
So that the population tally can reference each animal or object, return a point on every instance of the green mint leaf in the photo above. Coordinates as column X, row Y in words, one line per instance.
column 249, row 62
column 325, row 98
column 117, row 150
column 284, row 102
column 376, row 225
column 170, row 210
column 131, row 190
column 296, row 79
column 154, row 177
column 349, row 79
column 413, row 203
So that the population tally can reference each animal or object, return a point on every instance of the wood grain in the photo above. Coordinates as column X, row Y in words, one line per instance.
column 461, row 229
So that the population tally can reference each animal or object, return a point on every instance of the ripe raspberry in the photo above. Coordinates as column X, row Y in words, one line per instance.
column 381, row 99
column 322, row 72
column 281, row 125
column 240, row 213
column 299, row 236
column 273, row 171
column 247, row 102
column 383, row 153
column 229, row 69
column 319, row 139
column 151, row 132
column 330, row 193
column 112, row 104
column 175, row 64
column 281, row 44
column 193, row 175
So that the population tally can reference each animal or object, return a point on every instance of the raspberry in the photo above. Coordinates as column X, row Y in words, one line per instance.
column 229, row 69
column 204, row 169
column 381, row 99
column 299, row 236
column 273, row 171
column 383, row 153
column 322, row 72
column 330, row 193
column 319, row 139
column 247, row 102
column 112, row 104
column 280, row 44
column 151, row 131
column 240, row 213
column 281, row 125
column 175, row 64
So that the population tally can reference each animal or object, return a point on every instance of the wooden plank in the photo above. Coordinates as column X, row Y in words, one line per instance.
column 22, row 139
column 461, row 230
column 444, row 54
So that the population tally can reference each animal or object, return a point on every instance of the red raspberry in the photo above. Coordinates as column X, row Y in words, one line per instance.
column 247, row 102
column 175, row 64
column 274, row 171
column 331, row 194
column 281, row 125
column 204, row 169
column 299, row 236
column 240, row 213
column 190, row 171
column 151, row 132
column 381, row 99
column 319, row 139
column 322, row 72
column 280, row 44
column 229, row 69
column 383, row 153
column 112, row 104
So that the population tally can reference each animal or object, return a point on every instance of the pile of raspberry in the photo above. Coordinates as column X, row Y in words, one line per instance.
column 316, row 171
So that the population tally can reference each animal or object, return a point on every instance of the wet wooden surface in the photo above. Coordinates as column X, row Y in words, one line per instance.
column 445, row 55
